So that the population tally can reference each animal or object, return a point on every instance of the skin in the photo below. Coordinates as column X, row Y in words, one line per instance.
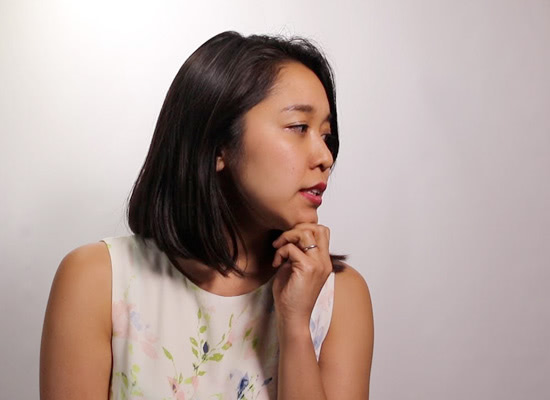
column 284, row 152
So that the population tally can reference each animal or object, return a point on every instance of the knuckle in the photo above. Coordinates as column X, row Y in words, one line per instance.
column 289, row 246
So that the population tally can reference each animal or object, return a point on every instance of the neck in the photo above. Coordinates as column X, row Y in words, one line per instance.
column 255, row 263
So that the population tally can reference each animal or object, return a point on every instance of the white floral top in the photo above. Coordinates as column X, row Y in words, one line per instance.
column 174, row 340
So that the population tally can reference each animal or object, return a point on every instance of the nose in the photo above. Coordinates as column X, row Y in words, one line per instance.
column 321, row 154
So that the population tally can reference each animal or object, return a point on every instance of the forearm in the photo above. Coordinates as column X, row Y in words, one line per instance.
column 299, row 373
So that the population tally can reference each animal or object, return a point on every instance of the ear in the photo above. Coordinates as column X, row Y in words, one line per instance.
column 220, row 163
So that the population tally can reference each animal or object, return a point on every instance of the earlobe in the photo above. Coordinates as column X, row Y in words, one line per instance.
column 219, row 163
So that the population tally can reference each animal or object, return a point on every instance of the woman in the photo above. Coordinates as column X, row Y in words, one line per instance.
column 227, row 288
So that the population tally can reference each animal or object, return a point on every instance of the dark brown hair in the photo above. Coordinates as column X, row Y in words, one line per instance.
column 177, row 199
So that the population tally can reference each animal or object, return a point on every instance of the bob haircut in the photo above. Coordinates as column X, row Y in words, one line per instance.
column 177, row 199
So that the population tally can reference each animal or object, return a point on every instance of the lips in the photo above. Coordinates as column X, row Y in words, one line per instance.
column 315, row 193
column 315, row 199
column 318, row 188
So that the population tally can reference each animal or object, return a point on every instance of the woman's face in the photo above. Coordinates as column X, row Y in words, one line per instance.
column 284, row 150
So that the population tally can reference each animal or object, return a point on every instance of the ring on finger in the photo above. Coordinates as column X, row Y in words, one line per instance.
column 311, row 246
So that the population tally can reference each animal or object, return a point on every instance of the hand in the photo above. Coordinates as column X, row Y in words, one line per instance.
column 301, row 275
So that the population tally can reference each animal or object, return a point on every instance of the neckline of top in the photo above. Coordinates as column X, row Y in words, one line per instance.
column 205, row 292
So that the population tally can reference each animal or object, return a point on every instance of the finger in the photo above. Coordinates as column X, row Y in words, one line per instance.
column 322, row 236
column 293, row 255
column 300, row 237
column 321, row 233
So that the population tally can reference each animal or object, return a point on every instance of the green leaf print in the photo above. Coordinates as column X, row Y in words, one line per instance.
column 255, row 342
column 180, row 378
column 216, row 357
column 247, row 333
column 202, row 329
column 226, row 345
column 199, row 314
column 201, row 373
column 230, row 320
column 167, row 354
column 188, row 380
column 193, row 341
column 124, row 379
column 195, row 352
column 135, row 368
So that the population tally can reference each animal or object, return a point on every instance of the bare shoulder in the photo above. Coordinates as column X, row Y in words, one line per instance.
column 77, row 326
column 352, row 279
column 84, row 276
column 352, row 300
column 84, row 272
column 92, row 257
column 346, row 353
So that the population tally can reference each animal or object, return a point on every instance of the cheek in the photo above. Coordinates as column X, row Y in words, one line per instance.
column 273, row 164
column 280, row 170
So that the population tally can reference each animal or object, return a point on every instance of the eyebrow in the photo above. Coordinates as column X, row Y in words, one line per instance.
column 306, row 108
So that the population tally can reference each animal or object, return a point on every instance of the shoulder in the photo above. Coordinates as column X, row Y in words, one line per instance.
column 87, row 266
column 92, row 255
column 81, row 286
column 83, row 279
column 346, row 354
column 77, row 326
column 351, row 289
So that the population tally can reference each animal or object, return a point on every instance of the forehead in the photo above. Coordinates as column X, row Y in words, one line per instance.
column 297, row 84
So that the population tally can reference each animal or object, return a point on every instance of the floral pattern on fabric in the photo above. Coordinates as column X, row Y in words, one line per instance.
column 174, row 340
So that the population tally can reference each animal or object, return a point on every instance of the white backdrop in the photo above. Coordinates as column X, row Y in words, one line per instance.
column 441, row 191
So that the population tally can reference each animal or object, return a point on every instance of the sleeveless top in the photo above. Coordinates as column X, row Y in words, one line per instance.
column 174, row 340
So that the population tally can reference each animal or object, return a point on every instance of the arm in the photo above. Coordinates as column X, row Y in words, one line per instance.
column 75, row 354
column 345, row 361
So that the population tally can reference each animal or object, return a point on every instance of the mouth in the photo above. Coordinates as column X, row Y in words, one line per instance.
column 314, row 196
column 318, row 189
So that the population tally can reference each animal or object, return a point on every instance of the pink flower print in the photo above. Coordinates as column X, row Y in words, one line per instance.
column 147, row 342
column 148, row 349
column 150, row 337
column 247, row 327
column 231, row 337
column 127, row 324
column 209, row 309
column 121, row 318
column 178, row 392
column 195, row 381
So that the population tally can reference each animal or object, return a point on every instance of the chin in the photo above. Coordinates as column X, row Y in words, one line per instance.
column 286, row 222
column 311, row 218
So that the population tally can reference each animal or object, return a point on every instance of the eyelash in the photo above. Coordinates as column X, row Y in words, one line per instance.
column 304, row 127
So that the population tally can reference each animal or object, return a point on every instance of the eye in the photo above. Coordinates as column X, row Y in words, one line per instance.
column 300, row 127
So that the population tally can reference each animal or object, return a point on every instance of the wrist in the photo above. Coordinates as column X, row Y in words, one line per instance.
column 293, row 331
